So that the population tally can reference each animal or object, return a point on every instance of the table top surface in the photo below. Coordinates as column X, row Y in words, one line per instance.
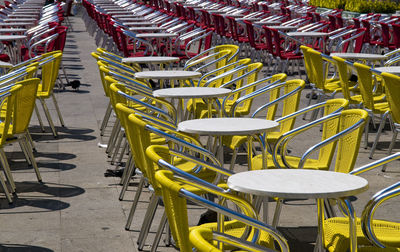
column 282, row 27
column 12, row 37
column 297, row 183
column 151, row 59
column 227, row 126
column 157, row 35
column 148, row 28
column 13, row 30
column 392, row 69
column 138, row 23
column 15, row 24
column 18, row 20
column 5, row 64
column 268, row 22
column 361, row 56
column 171, row 75
column 307, row 34
column 191, row 92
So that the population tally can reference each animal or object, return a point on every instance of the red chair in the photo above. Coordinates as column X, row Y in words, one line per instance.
column 386, row 37
column 396, row 35
column 257, row 48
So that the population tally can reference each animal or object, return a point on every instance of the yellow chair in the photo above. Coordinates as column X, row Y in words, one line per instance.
column 243, row 228
column 24, row 103
column 392, row 83
column 372, row 235
column 49, row 67
column 317, row 68
column 7, row 106
column 373, row 103
column 286, row 93
column 211, row 59
column 243, row 82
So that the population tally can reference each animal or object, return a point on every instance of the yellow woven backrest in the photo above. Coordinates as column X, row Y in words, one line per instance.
column 25, row 98
column 365, row 82
column 233, row 54
column 291, row 103
column 329, row 129
column 344, row 76
column 49, row 71
column 7, row 105
column 116, row 98
column 176, row 209
column 254, row 68
column 392, row 84
column 307, row 63
column 136, row 137
column 317, row 68
column 349, row 144
column 333, row 105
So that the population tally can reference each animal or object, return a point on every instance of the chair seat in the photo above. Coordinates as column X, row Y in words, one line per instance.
column 337, row 234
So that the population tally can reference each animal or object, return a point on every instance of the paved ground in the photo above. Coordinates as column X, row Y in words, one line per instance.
column 77, row 208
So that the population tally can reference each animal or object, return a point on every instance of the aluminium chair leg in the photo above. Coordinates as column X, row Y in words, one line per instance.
column 233, row 160
column 161, row 227
column 125, row 173
column 117, row 146
column 134, row 203
column 64, row 72
column 130, row 170
column 49, row 119
column 39, row 118
column 395, row 132
column 105, row 119
column 4, row 186
column 277, row 214
column 366, row 130
column 381, row 125
column 113, row 135
column 113, row 141
column 58, row 110
column 25, row 151
column 32, row 158
column 28, row 135
column 121, row 156
column 148, row 219
column 7, row 170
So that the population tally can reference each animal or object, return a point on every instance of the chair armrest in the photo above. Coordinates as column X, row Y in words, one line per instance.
column 376, row 164
column 46, row 41
column 369, row 211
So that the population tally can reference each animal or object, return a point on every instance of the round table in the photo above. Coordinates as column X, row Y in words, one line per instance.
column 231, row 126
column 17, row 24
column 182, row 93
column 168, row 75
column 390, row 69
column 150, row 60
column 138, row 23
column 300, row 184
column 149, row 28
column 268, row 23
column 360, row 56
column 307, row 34
column 12, row 30
column 14, row 49
column 283, row 27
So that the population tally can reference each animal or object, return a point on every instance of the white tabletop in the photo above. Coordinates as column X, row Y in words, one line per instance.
column 191, row 92
column 392, row 69
column 360, row 56
column 12, row 37
column 15, row 24
column 227, row 126
column 156, row 35
column 148, row 28
column 297, row 183
column 18, row 20
column 138, row 23
column 12, row 30
column 282, row 27
column 151, row 59
column 307, row 34
column 5, row 64
column 169, row 75
column 268, row 22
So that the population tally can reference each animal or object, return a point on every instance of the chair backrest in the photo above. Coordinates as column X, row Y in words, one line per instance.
column 24, row 105
column 344, row 75
column 392, row 91
column 49, row 69
column 7, row 105
column 343, row 129
column 396, row 35
column 366, row 82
